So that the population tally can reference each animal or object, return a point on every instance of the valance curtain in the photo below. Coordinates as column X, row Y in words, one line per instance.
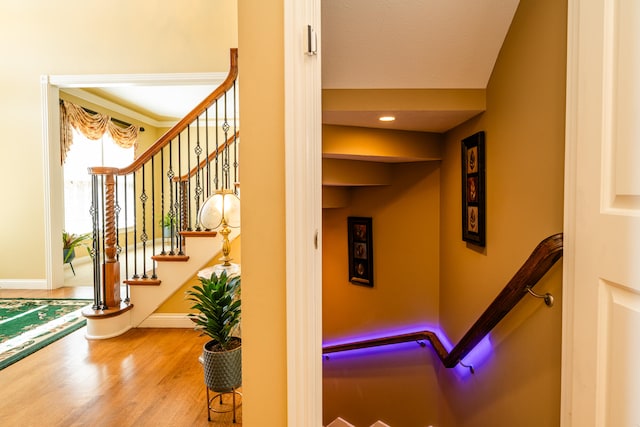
column 93, row 126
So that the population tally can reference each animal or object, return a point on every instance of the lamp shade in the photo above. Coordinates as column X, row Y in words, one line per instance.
column 222, row 207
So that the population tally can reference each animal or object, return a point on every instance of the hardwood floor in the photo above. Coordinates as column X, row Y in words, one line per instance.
column 66, row 292
column 146, row 377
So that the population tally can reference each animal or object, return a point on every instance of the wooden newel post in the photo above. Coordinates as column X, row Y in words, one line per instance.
column 111, row 265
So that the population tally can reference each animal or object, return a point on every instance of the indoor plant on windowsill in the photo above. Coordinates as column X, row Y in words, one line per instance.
column 217, row 303
column 70, row 242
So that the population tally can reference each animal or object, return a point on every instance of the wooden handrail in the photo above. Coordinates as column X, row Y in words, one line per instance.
column 543, row 257
column 186, row 120
column 210, row 158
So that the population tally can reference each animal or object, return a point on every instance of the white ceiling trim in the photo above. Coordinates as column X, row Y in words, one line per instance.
column 113, row 80
column 74, row 84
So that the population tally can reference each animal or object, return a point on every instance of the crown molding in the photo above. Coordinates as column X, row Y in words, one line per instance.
column 75, row 84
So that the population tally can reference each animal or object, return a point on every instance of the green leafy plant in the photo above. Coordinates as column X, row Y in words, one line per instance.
column 218, row 304
column 168, row 220
column 71, row 241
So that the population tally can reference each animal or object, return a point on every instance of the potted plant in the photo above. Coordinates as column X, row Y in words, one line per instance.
column 167, row 223
column 217, row 303
column 70, row 242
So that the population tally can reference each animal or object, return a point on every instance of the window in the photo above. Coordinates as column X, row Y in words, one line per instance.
column 83, row 154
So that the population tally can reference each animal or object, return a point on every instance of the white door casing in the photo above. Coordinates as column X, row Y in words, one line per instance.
column 303, row 165
column 601, row 331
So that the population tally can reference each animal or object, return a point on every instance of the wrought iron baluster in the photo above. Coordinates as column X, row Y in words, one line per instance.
column 144, row 236
column 135, row 231
column 217, row 177
column 104, row 254
column 126, row 238
column 153, row 216
column 179, row 206
column 94, row 210
column 117, row 211
column 235, row 142
column 162, row 200
column 208, row 167
column 225, row 156
column 187, row 198
column 172, row 212
column 198, row 190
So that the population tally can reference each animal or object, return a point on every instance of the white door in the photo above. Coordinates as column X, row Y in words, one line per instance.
column 601, row 344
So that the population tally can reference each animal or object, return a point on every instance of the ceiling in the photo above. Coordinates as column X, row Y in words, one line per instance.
column 151, row 100
column 369, row 47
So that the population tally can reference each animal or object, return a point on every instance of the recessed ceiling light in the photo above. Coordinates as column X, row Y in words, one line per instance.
column 387, row 118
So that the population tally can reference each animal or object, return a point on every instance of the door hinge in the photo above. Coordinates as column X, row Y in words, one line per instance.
column 312, row 41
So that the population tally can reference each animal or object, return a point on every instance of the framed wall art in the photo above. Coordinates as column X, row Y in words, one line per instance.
column 360, row 250
column 473, row 189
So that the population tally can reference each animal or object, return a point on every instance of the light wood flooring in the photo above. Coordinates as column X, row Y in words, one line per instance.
column 146, row 377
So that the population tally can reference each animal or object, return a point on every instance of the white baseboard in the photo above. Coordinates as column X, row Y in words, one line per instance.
column 167, row 320
column 23, row 284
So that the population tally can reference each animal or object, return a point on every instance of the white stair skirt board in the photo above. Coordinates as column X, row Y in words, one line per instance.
column 339, row 422
column 100, row 329
column 147, row 299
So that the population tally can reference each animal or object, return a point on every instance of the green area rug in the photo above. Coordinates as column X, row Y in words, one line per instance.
column 29, row 324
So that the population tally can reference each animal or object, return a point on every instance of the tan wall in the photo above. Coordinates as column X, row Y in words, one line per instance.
column 371, row 144
column 264, row 363
column 66, row 37
column 405, row 218
column 524, row 126
column 177, row 303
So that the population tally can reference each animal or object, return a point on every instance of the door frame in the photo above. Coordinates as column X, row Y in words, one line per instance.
column 50, row 86
column 303, row 198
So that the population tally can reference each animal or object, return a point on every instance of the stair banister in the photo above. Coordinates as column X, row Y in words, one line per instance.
column 543, row 257
column 189, row 118
column 107, row 276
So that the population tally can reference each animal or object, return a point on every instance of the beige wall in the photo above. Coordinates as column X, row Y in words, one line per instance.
column 264, row 363
column 177, row 303
column 519, row 383
column 67, row 37
column 400, row 384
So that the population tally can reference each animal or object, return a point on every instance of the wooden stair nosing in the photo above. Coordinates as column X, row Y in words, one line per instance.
column 90, row 313
column 171, row 258
column 198, row 233
column 140, row 281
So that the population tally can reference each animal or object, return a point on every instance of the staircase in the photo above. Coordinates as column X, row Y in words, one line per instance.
column 167, row 183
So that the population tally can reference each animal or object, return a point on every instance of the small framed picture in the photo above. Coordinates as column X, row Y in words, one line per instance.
column 473, row 189
column 360, row 250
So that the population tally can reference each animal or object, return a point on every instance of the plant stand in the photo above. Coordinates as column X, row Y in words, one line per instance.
column 216, row 403
column 223, row 376
column 68, row 255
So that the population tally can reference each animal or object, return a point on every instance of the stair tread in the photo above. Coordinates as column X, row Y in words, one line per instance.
column 147, row 281
column 173, row 258
column 198, row 233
